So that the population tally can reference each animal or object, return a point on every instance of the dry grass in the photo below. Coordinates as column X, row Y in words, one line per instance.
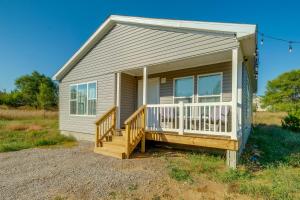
column 268, row 118
column 21, row 129
column 15, row 114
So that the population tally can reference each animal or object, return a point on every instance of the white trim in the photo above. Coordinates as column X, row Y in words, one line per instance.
column 210, row 74
column 182, row 77
column 87, row 91
column 234, row 78
column 145, row 85
column 241, row 30
column 118, row 101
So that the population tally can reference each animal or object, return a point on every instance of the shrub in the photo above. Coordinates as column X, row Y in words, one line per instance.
column 291, row 122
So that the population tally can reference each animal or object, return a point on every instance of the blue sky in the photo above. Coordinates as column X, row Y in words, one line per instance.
column 42, row 35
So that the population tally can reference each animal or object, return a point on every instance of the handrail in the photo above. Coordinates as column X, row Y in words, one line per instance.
column 130, row 118
column 98, row 121
column 135, row 130
column 104, row 125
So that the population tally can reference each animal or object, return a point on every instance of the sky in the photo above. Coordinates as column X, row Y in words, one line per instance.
column 42, row 35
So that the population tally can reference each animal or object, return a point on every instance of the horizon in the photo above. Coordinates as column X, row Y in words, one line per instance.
column 35, row 39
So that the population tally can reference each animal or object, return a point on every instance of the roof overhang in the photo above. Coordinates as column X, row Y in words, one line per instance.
column 241, row 31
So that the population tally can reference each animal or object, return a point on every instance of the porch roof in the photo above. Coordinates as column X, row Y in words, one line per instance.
column 245, row 32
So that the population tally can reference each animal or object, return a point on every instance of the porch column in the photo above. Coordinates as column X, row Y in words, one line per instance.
column 232, row 156
column 145, row 82
column 118, row 100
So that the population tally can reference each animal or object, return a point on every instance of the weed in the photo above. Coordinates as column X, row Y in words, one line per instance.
column 59, row 198
column 156, row 197
column 232, row 175
column 132, row 187
column 179, row 174
column 113, row 195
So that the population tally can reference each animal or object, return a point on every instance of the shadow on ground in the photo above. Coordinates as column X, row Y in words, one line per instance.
column 270, row 145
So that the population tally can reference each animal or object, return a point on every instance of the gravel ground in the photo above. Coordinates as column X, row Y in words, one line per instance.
column 73, row 173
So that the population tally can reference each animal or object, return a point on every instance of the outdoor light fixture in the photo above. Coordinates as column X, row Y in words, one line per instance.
column 262, row 39
column 290, row 47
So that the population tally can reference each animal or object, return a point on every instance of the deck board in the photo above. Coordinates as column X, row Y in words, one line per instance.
column 218, row 142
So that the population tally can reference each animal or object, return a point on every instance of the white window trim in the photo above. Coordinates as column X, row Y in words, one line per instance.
column 87, row 92
column 221, row 92
column 183, row 77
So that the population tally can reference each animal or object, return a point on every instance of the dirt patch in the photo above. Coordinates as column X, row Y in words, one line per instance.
column 23, row 127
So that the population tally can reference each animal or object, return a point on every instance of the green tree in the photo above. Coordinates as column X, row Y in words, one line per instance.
column 29, row 88
column 283, row 93
column 45, row 97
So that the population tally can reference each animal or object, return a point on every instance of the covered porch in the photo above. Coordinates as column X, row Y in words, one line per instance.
column 195, row 101
column 190, row 96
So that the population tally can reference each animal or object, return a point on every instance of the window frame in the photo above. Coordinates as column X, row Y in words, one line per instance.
column 174, row 88
column 87, row 98
column 214, row 95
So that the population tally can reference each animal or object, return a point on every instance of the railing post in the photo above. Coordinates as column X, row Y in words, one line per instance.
column 181, row 120
column 143, row 140
column 114, row 121
column 97, row 136
column 127, row 135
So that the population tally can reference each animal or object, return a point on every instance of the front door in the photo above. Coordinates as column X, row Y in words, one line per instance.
column 152, row 91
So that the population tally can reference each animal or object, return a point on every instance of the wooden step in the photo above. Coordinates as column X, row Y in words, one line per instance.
column 107, row 151
column 118, row 139
column 119, row 132
column 115, row 146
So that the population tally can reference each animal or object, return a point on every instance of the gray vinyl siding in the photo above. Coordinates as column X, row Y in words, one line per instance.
column 127, row 46
column 128, row 96
column 166, row 89
column 105, row 100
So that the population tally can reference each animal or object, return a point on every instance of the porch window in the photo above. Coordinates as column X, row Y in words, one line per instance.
column 83, row 99
column 209, row 87
column 184, row 89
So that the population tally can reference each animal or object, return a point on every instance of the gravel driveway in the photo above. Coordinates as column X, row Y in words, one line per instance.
column 73, row 173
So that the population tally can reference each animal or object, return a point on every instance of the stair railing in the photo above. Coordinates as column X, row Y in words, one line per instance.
column 135, row 131
column 105, row 125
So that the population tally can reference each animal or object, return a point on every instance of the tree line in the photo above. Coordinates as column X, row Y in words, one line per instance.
column 34, row 90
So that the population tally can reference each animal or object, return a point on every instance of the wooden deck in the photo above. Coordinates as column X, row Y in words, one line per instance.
column 218, row 142
column 121, row 143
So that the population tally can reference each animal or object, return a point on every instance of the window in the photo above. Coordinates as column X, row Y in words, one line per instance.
column 92, row 99
column 209, row 87
column 83, row 99
column 184, row 89
column 73, row 100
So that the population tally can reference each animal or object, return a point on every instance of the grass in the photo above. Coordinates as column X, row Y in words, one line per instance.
column 269, row 167
column 21, row 114
column 29, row 129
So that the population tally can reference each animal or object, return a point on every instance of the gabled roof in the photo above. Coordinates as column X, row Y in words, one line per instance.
column 240, row 30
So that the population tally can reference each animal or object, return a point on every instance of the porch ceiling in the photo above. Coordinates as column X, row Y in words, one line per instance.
column 197, row 61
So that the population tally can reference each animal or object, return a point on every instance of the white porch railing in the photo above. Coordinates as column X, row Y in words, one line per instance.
column 200, row 118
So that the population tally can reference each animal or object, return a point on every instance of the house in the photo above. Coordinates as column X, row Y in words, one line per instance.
column 257, row 103
column 183, row 82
